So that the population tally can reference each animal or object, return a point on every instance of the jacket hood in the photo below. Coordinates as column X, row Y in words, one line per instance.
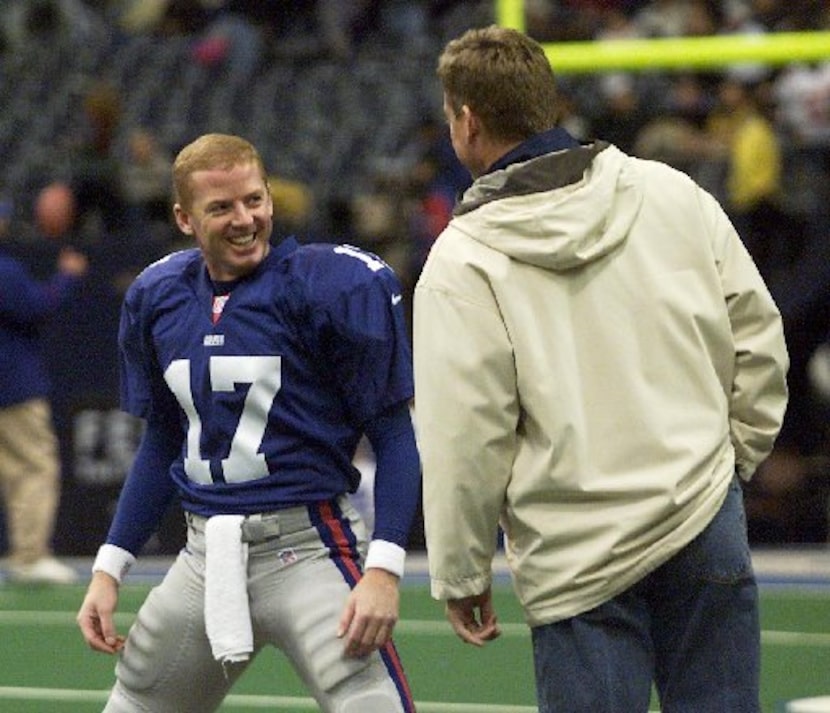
column 557, row 211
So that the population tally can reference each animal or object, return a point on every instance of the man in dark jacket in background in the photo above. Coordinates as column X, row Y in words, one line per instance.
column 29, row 460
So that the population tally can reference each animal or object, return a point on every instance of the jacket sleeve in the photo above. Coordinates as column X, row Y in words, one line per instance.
column 758, row 398
column 26, row 301
column 466, row 413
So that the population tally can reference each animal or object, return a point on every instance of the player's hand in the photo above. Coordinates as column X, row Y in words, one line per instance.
column 370, row 614
column 473, row 618
column 72, row 262
column 95, row 617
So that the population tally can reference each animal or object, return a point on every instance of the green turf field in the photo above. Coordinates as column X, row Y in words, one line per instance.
column 46, row 667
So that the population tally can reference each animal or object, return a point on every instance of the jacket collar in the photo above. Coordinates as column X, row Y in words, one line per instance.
column 556, row 139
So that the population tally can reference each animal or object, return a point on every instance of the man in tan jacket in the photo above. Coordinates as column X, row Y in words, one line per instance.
column 598, row 364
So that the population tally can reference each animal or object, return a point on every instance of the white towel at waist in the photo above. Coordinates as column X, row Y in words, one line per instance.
column 227, row 612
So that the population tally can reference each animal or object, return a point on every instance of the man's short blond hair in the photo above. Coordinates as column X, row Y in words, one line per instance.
column 211, row 151
column 504, row 77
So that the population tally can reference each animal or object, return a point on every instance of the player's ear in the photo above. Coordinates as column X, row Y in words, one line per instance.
column 182, row 219
column 470, row 123
column 269, row 196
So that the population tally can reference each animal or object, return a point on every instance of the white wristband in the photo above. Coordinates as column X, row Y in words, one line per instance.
column 386, row 555
column 113, row 560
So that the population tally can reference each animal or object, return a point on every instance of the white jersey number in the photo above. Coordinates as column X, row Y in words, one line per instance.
column 373, row 262
column 244, row 461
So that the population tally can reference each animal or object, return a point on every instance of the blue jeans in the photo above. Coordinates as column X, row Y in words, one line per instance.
column 691, row 627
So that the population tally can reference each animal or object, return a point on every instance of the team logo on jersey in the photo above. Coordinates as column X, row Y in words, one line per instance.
column 219, row 302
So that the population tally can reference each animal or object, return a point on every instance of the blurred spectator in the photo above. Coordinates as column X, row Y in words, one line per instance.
column 236, row 36
column 738, row 19
column 818, row 370
column 566, row 20
column 51, row 22
column 802, row 99
column 96, row 171
column 676, row 134
column 146, row 178
column 739, row 130
column 702, row 19
column 677, row 141
column 431, row 179
column 540, row 20
column 801, row 15
column 377, row 225
column 338, row 23
column 689, row 97
column 622, row 115
column 293, row 204
column 784, row 500
column 166, row 17
column 243, row 32
column 29, row 454
column 54, row 211
column 432, row 200
column 617, row 25
column 572, row 119
column 664, row 18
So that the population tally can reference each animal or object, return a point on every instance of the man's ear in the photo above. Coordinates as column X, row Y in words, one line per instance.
column 182, row 219
column 470, row 122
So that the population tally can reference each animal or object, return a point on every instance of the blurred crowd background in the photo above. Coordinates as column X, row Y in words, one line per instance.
column 97, row 96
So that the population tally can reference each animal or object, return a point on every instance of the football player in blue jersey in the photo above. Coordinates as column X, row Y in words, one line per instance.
column 258, row 367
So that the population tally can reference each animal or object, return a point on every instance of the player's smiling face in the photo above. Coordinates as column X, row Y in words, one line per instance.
column 231, row 218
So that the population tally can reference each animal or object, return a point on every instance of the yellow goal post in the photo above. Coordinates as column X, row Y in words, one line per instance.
column 676, row 53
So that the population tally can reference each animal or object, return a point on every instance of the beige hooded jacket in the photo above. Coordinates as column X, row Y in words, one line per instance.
column 595, row 355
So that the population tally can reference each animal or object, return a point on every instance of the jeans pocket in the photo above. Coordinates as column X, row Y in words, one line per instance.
column 721, row 554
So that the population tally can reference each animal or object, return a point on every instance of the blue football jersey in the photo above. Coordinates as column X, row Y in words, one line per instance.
column 273, row 395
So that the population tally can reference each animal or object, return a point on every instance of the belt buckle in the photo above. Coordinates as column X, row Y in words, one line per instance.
column 256, row 529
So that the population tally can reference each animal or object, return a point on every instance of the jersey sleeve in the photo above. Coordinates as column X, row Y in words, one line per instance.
column 398, row 474
column 362, row 331
column 143, row 389
column 148, row 490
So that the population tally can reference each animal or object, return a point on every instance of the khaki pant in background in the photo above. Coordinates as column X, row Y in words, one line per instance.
column 29, row 478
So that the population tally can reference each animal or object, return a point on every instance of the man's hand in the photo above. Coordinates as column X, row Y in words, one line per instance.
column 473, row 618
column 95, row 617
column 72, row 262
column 370, row 614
